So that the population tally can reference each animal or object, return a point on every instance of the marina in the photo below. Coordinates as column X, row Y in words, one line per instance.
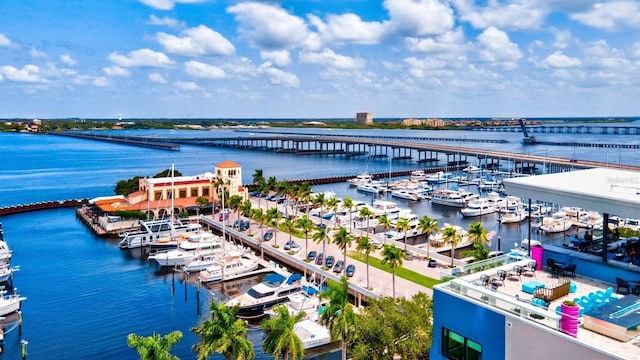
column 164, row 293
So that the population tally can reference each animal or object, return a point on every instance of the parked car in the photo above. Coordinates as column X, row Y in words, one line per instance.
column 295, row 247
column 350, row 270
column 244, row 225
column 376, row 243
column 410, row 255
column 267, row 236
column 312, row 255
column 320, row 259
column 328, row 263
column 223, row 216
column 339, row 267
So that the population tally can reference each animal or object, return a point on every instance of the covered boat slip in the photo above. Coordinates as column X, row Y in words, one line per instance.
column 610, row 191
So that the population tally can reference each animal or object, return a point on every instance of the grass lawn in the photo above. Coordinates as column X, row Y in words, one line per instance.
column 400, row 271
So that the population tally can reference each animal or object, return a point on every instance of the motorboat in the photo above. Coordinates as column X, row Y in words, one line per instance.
column 10, row 303
column 372, row 188
column 489, row 184
column 179, row 257
column 6, row 272
column 558, row 222
column 274, row 289
column 452, row 197
column 232, row 265
column 417, row 176
column 199, row 241
column 200, row 262
column 360, row 179
column 510, row 203
column 472, row 169
column 514, row 216
column 306, row 301
column 5, row 252
column 406, row 194
column 312, row 334
column 160, row 232
column 478, row 207
column 440, row 177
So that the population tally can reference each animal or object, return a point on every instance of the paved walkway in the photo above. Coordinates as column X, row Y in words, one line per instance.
column 380, row 282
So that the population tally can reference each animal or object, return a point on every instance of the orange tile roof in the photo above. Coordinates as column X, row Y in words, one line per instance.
column 227, row 164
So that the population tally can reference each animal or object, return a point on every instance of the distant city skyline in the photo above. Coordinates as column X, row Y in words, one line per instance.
column 319, row 59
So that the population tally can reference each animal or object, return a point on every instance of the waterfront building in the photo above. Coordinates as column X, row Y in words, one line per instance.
column 158, row 195
column 501, row 312
column 365, row 118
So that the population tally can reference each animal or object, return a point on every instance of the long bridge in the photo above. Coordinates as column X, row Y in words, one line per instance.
column 602, row 129
column 407, row 149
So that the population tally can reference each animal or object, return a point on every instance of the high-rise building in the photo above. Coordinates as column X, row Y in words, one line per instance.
column 365, row 118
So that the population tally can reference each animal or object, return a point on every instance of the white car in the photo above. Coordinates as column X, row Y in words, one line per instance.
column 376, row 243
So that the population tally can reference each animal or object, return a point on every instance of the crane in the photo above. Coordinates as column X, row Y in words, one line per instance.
column 528, row 139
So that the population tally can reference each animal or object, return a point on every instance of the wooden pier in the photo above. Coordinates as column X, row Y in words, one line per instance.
column 54, row 204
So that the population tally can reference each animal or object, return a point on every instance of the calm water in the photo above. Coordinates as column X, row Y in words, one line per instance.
column 85, row 295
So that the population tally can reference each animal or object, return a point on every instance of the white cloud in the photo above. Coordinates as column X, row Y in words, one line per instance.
column 167, row 4
column 186, row 85
column 115, row 71
column 611, row 15
column 4, row 41
column 449, row 42
column 157, row 78
column 562, row 39
column 100, row 81
column 278, row 77
column 560, row 60
column 497, row 49
column 521, row 14
column 280, row 58
column 330, row 59
column 35, row 53
column 68, row 60
column 141, row 58
column 203, row 71
column 347, row 28
column 28, row 74
column 165, row 21
column 270, row 27
column 418, row 17
column 197, row 41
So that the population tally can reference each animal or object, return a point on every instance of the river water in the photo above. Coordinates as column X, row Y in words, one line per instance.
column 85, row 295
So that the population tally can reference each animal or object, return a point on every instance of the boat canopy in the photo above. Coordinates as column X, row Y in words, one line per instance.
column 309, row 290
column 293, row 278
column 273, row 279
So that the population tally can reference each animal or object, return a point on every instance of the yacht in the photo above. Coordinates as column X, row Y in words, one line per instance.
column 199, row 241
column 418, row 175
column 448, row 197
column 514, row 216
column 160, row 232
column 478, row 207
column 360, row 179
column 438, row 178
column 312, row 334
column 406, row 194
column 232, row 265
column 5, row 252
column 274, row 289
column 372, row 188
column 558, row 222
column 10, row 303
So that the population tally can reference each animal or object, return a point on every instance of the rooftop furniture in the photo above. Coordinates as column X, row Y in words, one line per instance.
column 530, row 287
column 516, row 272
column 500, row 276
column 622, row 284
column 530, row 268
column 555, row 267
column 555, row 292
column 484, row 280
column 569, row 270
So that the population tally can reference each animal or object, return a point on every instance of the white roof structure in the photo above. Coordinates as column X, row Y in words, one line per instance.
column 611, row 191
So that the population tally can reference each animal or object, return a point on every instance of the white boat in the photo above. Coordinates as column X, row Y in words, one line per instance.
column 514, row 216
column 274, row 289
column 406, row 194
column 418, row 175
column 230, row 266
column 489, row 184
column 10, row 303
column 478, row 207
column 360, row 179
column 312, row 334
column 372, row 188
column 5, row 252
column 510, row 203
column 438, row 178
column 472, row 169
column 158, row 232
column 452, row 197
column 306, row 300
column 199, row 241
column 179, row 257
column 558, row 222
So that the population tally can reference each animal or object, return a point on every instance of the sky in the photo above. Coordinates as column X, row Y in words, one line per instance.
column 319, row 58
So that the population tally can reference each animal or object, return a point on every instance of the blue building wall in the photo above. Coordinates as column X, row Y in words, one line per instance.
column 473, row 322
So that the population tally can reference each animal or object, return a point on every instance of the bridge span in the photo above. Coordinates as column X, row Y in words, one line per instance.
column 422, row 152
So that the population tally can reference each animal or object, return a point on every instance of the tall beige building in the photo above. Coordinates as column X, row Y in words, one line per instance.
column 365, row 118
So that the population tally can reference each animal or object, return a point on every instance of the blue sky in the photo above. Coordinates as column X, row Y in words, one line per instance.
column 319, row 58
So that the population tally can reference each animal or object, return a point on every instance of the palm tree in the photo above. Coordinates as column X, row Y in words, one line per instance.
column 343, row 239
column 451, row 235
column 365, row 212
column 321, row 235
column 305, row 225
column 393, row 256
column 224, row 333
column 246, row 208
column 404, row 226
column 367, row 247
column 280, row 339
column 319, row 201
column 386, row 224
column 304, row 195
column 332, row 203
column 290, row 226
column 235, row 204
column 155, row 347
column 339, row 316
column 428, row 226
column 480, row 237
column 257, row 176
column 259, row 216
column 347, row 203
column 272, row 218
